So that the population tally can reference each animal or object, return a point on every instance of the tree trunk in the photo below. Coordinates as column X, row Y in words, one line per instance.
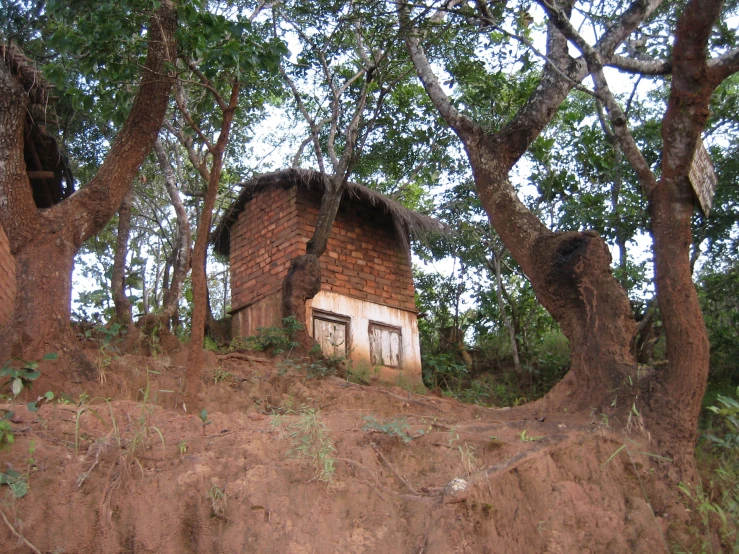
column 44, row 242
column 183, row 238
column 118, row 277
column 507, row 322
column 200, row 251
column 179, row 258
column 571, row 276
column 40, row 321
column 303, row 279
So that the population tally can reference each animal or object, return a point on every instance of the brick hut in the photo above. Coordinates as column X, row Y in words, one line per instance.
column 48, row 171
column 366, row 307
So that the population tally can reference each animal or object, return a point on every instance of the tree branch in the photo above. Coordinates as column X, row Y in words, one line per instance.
column 641, row 67
column 724, row 66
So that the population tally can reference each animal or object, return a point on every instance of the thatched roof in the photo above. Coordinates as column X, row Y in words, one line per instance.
column 408, row 224
column 48, row 169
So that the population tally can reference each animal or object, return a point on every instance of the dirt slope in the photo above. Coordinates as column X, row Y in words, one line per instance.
column 128, row 476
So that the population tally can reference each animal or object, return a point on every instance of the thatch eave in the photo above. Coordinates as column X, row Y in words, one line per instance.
column 408, row 224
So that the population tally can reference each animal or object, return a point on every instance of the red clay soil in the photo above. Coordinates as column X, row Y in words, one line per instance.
column 137, row 474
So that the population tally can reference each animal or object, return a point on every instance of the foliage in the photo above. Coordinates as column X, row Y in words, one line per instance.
column 396, row 427
column 23, row 376
column 360, row 372
column 310, row 441
column 204, row 421
column 218, row 501
column 220, row 375
column 7, row 439
column 312, row 369
column 729, row 414
column 278, row 339
column 16, row 481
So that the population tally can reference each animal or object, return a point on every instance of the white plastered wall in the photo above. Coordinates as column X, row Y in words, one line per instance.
column 362, row 313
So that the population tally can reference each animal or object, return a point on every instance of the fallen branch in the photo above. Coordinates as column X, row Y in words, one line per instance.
column 18, row 535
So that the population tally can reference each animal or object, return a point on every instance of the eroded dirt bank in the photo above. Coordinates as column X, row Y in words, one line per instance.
column 132, row 476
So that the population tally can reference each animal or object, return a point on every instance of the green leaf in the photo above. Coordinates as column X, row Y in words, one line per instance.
column 51, row 356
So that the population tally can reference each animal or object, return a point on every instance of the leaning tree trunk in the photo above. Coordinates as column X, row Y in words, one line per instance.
column 569, row 272
column 571, row 275
column 303, row 279
column 44, row 242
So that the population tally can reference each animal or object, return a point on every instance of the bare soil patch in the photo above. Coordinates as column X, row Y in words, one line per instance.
column 129, row 471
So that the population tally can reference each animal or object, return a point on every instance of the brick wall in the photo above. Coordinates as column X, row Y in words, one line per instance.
column 363, row 259
column 263, row 242
column 7, row 279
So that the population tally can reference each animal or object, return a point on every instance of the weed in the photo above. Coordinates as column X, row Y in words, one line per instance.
column 713, row 516
column 204, row 419
column 210, row 344
column 182, row 446
column 397, row 427
column 218, row 501
column 108, row 339
column 467, row 458
column 525, row 437
column 23, row 376
column 16, row 481
column 279, row 339
column 730, row 414
column 7, row 439
column 361, row 372
column 311, row 442
column 220, row 375
column 312, row 370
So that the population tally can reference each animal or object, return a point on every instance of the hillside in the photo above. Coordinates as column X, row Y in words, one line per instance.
column 423, row 474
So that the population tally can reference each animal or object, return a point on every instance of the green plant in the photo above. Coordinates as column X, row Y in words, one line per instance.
column 16, row 481
column 361, row 372
column 24, row 375
column 730, row 416
column 220, row 375
column 279, row 339
column 182, row 446
column 218, row 501
column 310, row 441
column 525, row 437
column 6, row 435
column 312, row 369
column 210, row 344
column 467, row 457
column 204, row 419
column 714, row 516
column 397, row 427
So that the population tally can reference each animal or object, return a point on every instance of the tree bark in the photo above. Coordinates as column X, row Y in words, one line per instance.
column 303, row 279
column 118, row 277
column 675, row 408
column 569, row 272
column 200, row 251
column 507, row 322
column 44, row 242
